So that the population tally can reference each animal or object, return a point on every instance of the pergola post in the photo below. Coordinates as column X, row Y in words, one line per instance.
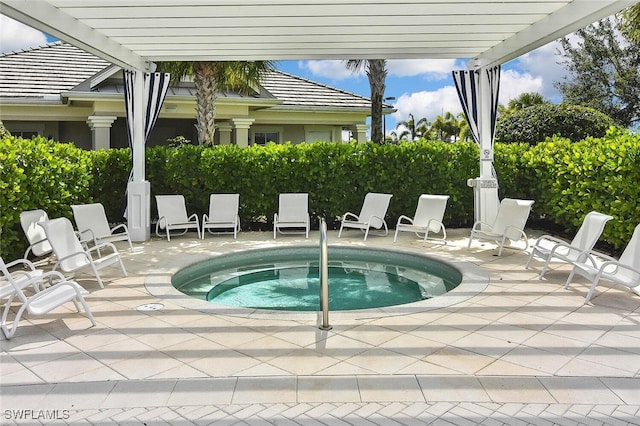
column 138, row 190
column 486, row 196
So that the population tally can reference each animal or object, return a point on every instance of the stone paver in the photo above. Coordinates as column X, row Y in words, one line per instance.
column 514, row 350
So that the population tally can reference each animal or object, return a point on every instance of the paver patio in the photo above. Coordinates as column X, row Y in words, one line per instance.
column 519, row 350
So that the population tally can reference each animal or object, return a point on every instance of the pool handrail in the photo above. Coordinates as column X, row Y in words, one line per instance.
column 324, row 276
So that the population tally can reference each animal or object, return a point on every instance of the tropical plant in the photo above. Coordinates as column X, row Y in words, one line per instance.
column 631, row 23
column 525, row 100
column 4, row 133
column 604, row 70
column 447, row 127
column 539, row 122
column 376, row 70
column 211, row 77
column 413, row 129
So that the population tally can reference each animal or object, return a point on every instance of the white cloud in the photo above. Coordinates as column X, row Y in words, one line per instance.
column 15, row 35
column 543, row 63
column 430, row 104
column 331, row 69
column 514, row 83
column 427, row 104
column 429, row 69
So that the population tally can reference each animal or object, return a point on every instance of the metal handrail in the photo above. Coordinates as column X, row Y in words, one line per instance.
column 324, row 276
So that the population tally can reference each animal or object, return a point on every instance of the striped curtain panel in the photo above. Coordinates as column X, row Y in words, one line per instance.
column 467, row 85
column 156, row 86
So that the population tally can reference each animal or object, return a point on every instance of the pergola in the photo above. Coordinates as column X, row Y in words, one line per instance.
column 135, row 33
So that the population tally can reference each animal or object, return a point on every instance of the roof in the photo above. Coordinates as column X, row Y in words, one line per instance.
column 47, row 71
column 134, row 33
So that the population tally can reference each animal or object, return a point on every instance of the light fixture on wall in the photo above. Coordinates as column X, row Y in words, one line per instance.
column 384, row 118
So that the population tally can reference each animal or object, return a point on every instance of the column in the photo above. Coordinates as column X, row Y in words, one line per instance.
column 361, row 130
column 242, row 130
column 487, row 202
column 100, row 126
column 139, row 190
column 224, row 133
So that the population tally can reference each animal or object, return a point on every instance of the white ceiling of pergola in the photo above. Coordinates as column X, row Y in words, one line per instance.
column 133, row 33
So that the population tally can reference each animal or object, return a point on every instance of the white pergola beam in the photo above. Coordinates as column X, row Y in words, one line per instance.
column 43, row 16
column 552, row 27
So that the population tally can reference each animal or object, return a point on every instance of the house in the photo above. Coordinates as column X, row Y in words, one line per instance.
column 64, row 93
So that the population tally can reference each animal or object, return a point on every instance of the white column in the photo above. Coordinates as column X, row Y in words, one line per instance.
column 487, row 201
column 138, row 191
column 224, row 133
column 242, row 130
column 100, row 126
column 361, row 130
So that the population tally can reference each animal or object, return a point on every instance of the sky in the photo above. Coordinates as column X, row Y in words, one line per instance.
column 420, row 87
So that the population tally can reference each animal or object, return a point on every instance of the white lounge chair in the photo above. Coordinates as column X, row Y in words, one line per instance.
column 374, row 209
column 38, row 243
column 548, row 247
column 43, row 300
column 509, row 224
column 597, row 266
column 72, row 255
column 223, row 214
column 91, row 221
column 428, row 217
column 172, row 214
column 293, row 212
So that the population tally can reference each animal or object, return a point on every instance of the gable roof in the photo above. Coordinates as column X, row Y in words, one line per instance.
column 51, row 70
column 46, row 71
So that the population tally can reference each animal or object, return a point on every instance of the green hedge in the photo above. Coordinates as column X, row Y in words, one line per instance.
column 565, row 179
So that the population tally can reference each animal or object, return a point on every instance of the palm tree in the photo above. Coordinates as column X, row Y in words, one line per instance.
column 376, row 70
column 211, row 77
column 446, row 127
column 415, row 129
column 523, row 101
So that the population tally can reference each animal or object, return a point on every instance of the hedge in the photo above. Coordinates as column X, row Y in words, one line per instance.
column 565, row 179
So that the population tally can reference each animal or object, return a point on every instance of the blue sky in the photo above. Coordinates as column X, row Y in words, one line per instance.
column 421, row 87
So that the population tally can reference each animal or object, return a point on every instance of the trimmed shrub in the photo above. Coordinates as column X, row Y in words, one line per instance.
column 566, row 180
column 536, row 123
column 38, row 174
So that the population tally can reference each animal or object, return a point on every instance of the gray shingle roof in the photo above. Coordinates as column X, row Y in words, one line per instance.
column 58, row 67
column 297, row 91
column 46, row 70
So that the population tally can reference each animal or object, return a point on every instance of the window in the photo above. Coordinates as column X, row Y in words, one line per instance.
column 261, row 138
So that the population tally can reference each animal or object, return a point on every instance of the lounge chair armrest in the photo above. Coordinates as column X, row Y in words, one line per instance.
column 25, row 262
column 566, row 245
column 100, row 246
column 193, row 216
column 408, row 220
column 43, row 293
column 436, row 221
column 510, row 228
column 205, row 217
column 82, row 235
column 618, row 265
column 593, row 255
column 476, row 226
column 352, row 215
column 72, row 255
column 550, row 238
column 121, row 226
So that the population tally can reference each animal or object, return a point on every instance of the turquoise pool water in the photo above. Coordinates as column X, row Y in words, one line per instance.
column 287, row 278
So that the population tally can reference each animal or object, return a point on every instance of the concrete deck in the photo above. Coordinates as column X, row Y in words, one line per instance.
column 514, row 350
